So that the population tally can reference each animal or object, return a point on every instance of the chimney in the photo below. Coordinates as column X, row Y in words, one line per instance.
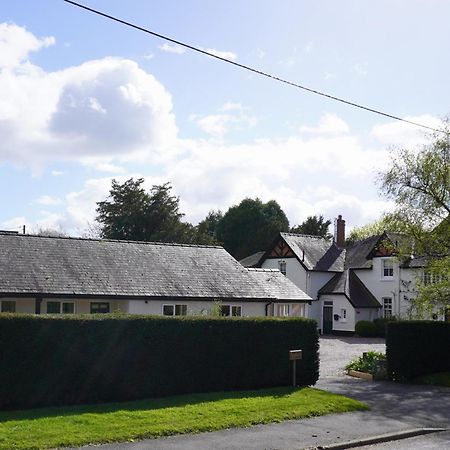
column 339, row 232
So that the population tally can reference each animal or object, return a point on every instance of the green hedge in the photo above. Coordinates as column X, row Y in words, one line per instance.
column 365, row 328
column 88, row 359
column 415, row 348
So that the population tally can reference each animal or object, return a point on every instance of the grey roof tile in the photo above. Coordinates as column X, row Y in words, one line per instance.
column 316, row 253
column 69, row 266
column 278, row 285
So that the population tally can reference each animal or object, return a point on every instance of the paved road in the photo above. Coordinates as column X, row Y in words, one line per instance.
column 394, row 407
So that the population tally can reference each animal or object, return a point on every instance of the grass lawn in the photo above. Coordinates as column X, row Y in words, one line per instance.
column 78, row 425
column 438, row 379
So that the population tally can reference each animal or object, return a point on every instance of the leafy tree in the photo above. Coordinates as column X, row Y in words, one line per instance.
column 251, row 226
column 387, row 222
column 419, row 183
column 50, row 232
column 315, row 226
column 131, row 213
column 206, row 229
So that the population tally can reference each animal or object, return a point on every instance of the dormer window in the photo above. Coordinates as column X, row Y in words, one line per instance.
column 282, row 267
column 387, row 268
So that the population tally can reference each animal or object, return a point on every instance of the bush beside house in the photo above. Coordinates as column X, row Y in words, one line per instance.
column 89, row 359
column 415, row 348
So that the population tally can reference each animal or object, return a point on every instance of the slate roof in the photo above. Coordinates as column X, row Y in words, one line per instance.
column 315, row 252
column 33, row 265
column 278, row 285
column 252, row 260
column 349, row 284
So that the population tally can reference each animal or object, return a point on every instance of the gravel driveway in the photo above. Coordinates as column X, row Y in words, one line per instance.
column 336, row 352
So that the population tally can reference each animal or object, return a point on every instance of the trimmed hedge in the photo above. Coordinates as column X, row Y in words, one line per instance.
column 415, row 348
column 365, row 328
column 51, row 360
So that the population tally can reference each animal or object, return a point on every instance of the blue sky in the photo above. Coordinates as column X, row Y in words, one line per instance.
column 84, row 100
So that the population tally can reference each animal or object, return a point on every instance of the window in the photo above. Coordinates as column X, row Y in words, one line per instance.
column 99, row 308
column 60, row 307
column 388, row 268
column 283, row 310
column 174, row 310
column 282, row 267
column 343, row 315
column 432, row 278
column 231, row 311
column 8, row 306
column 387, row 306
column 298, row 310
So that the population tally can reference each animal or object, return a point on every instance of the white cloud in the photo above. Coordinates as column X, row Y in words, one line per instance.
column 404, row 134
column 108, row 108
column 172, row 48
column 16, row 43
column 221, row 54
column 48, row 200
column 328, row 124
column 232, row 115
column 57, row 173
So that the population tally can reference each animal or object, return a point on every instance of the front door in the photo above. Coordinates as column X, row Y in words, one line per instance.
column 327, row 319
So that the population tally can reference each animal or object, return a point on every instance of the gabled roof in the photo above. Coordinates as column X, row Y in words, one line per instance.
column 36, row 265
column 278, row 285
column 252, row 260
column 316, row 253
column 348, row 283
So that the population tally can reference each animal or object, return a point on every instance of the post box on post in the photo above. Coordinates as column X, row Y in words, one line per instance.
column 294, row 355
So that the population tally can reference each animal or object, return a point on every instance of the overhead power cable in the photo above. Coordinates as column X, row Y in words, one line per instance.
column 251, row 69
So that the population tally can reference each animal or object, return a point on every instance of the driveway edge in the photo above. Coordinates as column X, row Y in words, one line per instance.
column 379, row 439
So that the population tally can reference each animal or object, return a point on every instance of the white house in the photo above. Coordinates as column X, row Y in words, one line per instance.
column 361, row 282
column 57, row 275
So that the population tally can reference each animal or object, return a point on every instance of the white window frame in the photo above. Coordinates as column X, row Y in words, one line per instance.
column 230, row 310
column 387, row 265
column 109, row 308
column 8, row 301
column 286, row 307
column 388, row 312
column 174, row 309
column 343, row 315
column 61, row 303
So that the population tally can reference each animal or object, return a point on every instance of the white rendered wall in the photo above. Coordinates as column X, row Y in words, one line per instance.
column 249, row 309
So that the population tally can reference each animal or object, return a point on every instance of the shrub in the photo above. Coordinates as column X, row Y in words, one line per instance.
column 416, row 348
column 364, row 328
column 366, row 363
column 90, row 359
column 382, row 324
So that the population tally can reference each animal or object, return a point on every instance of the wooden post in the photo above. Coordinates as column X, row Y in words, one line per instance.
column 293, row 356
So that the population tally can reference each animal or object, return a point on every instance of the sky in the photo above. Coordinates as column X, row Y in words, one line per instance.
column 84, row 100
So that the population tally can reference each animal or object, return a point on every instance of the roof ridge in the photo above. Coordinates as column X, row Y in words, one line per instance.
column 121, row 241
column 304, row 235
column 262, row 269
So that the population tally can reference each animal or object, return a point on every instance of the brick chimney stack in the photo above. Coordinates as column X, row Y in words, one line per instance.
column 339, row 232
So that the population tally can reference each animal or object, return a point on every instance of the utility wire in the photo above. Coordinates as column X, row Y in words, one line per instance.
column 251, row 69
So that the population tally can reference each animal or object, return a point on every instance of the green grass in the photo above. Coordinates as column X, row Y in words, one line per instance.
column 78, row 425
column 438, row 379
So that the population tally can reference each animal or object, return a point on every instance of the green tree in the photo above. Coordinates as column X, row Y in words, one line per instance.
column 315, row 226
column 133, row 214
column 251, row 226
column 419, row 183
column 387, row 222
column 206, row 229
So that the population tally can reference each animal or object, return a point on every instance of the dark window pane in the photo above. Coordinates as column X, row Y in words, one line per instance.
column 8, row 306
column 99, row 308
column 168, row 310
column 180, row 310
column 236, row 311
column 225, row 310
column 68, row 308
column 53, row 307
